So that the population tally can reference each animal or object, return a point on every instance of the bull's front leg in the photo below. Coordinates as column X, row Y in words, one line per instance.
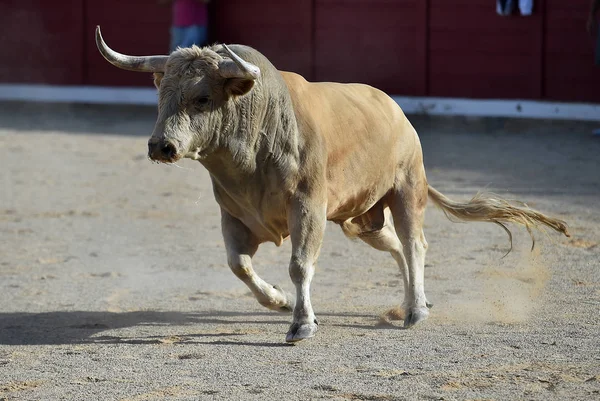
column 306, row 219
column 241, row 245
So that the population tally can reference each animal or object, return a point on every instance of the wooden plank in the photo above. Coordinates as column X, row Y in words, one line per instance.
column 422, row 48
column 41, row 48
column 134, row 27
column 480, row 44
column 280, row 29
column 569, row 53
column 376, row 44
column 559, row 6
column 473, row 52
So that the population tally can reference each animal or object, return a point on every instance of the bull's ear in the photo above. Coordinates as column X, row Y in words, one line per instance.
column 238, row 73
column 158, row 76
column 238, row 86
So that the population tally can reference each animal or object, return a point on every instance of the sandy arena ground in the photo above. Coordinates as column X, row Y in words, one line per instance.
column 114, row 283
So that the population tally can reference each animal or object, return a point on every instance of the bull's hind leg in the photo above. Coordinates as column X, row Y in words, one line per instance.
column 383, row 237
column 407, row 205
column 241, row 245
column 377, row 231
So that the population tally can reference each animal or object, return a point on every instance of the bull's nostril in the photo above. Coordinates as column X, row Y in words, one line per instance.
column 169, row 150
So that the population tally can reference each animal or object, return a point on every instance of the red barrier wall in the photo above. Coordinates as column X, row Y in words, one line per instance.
column 476, row 53
column 40, row 42
column 460, row 48
column 377, row 42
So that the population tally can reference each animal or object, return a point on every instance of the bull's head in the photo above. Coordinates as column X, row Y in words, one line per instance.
column 196, row 89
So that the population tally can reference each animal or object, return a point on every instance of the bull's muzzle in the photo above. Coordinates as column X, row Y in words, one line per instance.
column 162, row 150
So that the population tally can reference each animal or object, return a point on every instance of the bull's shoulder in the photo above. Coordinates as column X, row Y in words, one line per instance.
column 295, row 83
column 333, row 100
column 336, row 93
column 289, row 76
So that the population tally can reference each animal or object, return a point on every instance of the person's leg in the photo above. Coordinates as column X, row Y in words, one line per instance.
column 202, row 38
column 176, row 37
column 526, row 7
column 195, row 35
column 187, row 37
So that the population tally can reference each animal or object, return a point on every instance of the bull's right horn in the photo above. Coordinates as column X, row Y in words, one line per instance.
column 237, row 67
column 131, row 63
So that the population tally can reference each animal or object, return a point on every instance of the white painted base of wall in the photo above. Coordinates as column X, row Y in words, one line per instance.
column 499, row 108
column 410, row 105
column 78, row 94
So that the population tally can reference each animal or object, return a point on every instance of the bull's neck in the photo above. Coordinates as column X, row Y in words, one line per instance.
column 261, row 132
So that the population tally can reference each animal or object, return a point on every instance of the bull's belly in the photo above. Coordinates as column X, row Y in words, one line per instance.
column 358, row 180
column 349, row 199
column 342, row 210
column 266, row 216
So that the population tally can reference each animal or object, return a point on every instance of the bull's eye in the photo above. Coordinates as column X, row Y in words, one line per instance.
column 202, row 101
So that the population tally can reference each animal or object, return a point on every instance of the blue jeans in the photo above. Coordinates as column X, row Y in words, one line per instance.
column 186, row 36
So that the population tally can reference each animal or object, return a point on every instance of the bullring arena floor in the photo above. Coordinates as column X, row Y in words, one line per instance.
column 114, row 283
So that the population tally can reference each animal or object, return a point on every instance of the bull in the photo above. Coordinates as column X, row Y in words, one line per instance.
column 286, row 155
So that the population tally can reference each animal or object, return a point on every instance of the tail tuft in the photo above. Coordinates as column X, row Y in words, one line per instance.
column 494, row 209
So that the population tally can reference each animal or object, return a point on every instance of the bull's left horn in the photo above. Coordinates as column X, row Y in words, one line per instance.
column 131, row 63
column 239, row 68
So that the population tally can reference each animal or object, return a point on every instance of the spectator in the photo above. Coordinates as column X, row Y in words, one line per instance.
column 189, row 22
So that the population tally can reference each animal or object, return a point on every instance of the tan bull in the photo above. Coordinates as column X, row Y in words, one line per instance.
column 286, row 155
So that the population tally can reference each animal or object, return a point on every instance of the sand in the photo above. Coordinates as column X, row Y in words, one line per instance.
column 114, row 283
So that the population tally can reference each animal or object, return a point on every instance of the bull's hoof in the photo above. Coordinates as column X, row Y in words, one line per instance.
column 415, row 315
column 299, row 332
column 429, row 305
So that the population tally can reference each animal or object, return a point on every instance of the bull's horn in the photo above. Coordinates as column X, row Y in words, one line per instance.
column 239, row 68
column 131, row 63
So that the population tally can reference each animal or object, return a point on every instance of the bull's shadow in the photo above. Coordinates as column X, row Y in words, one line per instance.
column 79, row 327
column 82, row 327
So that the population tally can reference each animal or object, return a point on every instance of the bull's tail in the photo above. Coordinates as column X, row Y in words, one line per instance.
column 492, row 208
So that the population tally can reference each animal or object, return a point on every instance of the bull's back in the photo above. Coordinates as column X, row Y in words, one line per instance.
column 367, row 138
